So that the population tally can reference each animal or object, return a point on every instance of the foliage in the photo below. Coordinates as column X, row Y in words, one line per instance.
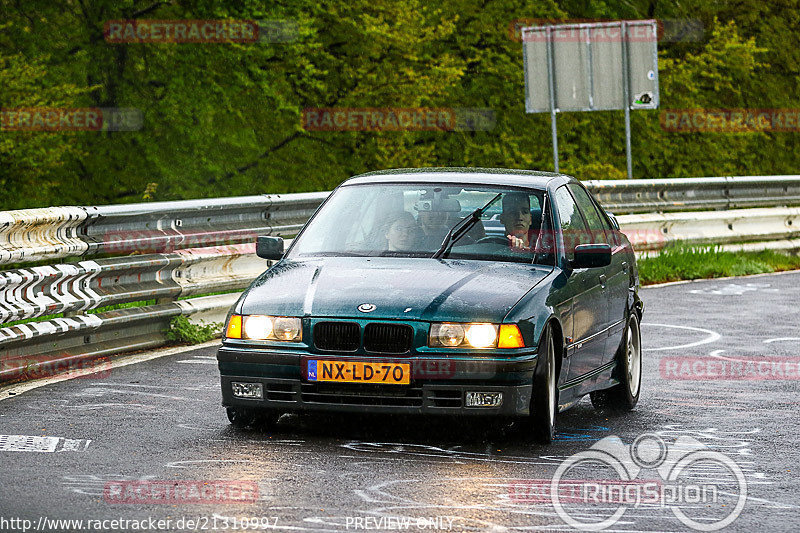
column 681, row 262
column 182, row 331
column 225, row 119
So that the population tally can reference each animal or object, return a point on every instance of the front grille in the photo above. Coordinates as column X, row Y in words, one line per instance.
column 355, row 394
column 337, row 336
column 387, row 338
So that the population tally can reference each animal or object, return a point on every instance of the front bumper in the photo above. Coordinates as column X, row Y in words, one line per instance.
column 438, row 385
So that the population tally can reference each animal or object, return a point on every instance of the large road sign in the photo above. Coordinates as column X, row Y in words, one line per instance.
column 591, row 67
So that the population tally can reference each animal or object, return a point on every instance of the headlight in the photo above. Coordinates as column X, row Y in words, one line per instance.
column 286, row 329
column 262, row 327
column 448, row 334
column 475, row 335
column 257, row 327
column 482, row 335
column 453, row 335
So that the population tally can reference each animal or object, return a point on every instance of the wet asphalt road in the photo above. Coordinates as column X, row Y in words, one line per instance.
column 162, row 420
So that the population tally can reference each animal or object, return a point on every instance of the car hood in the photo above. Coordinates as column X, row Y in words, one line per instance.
column 399, row 288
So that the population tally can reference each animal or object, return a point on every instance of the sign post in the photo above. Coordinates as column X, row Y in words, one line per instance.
column 591, row 67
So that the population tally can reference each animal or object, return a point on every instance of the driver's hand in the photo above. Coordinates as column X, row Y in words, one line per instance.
column 517, row 244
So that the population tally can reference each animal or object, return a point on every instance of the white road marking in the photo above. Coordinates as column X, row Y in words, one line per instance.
column 102, row 391
column 713, row 336
column 734, row 289
column 781, row 339
column 31, row 443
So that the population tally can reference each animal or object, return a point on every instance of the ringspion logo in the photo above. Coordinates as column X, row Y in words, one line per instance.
column 704, row 489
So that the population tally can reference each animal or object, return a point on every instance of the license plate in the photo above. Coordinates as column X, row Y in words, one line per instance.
column 359, row 372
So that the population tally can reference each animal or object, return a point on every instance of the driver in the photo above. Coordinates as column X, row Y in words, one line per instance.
column 516, row 217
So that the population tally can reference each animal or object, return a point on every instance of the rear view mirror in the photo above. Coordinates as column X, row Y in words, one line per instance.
column 269, row 247
column 592, row 256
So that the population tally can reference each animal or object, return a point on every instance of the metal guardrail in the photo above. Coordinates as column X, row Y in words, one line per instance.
column 774, row 227
column 684, row 194
column 162, row 227
column 171, row 251
column 31, row 234
column 75, row 290
column 158, row 227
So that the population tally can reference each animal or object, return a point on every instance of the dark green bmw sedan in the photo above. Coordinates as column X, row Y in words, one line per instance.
column 441, row 291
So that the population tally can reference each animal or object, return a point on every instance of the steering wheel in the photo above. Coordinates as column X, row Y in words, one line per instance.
column 493, row 238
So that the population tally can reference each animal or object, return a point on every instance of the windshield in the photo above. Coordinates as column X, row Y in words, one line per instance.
column 413, row 220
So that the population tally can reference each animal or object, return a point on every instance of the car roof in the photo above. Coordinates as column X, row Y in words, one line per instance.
column 457, row 175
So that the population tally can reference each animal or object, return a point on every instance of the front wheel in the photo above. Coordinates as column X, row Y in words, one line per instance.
column 624, row 395
column 544, row 398
column 241, row 417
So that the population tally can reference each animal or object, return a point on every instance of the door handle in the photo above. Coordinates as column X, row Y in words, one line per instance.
column 603, row 280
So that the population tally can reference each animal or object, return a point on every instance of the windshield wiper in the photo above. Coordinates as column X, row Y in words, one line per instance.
column 462, row 227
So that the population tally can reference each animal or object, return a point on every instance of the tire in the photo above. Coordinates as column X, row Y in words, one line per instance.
column 544, row 398
column 267, row 419
column 242, row 417
column 624, row 395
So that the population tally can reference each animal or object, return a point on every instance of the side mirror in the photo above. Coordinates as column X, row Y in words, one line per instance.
column 592, row 256
column 269, row 247
column 614, row 221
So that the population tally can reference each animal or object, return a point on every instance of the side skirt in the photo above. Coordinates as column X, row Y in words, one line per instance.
column 604, row 377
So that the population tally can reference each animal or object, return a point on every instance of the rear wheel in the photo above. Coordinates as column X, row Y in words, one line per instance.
column 544, row 398
column 624, row 395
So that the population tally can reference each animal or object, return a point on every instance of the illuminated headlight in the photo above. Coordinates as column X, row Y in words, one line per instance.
column 257, row 327
column 263, row 327
column 453, row 335
column 481, row 335
column 474, row 335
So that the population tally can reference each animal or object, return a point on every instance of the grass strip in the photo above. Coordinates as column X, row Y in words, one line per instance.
column 683, row 262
